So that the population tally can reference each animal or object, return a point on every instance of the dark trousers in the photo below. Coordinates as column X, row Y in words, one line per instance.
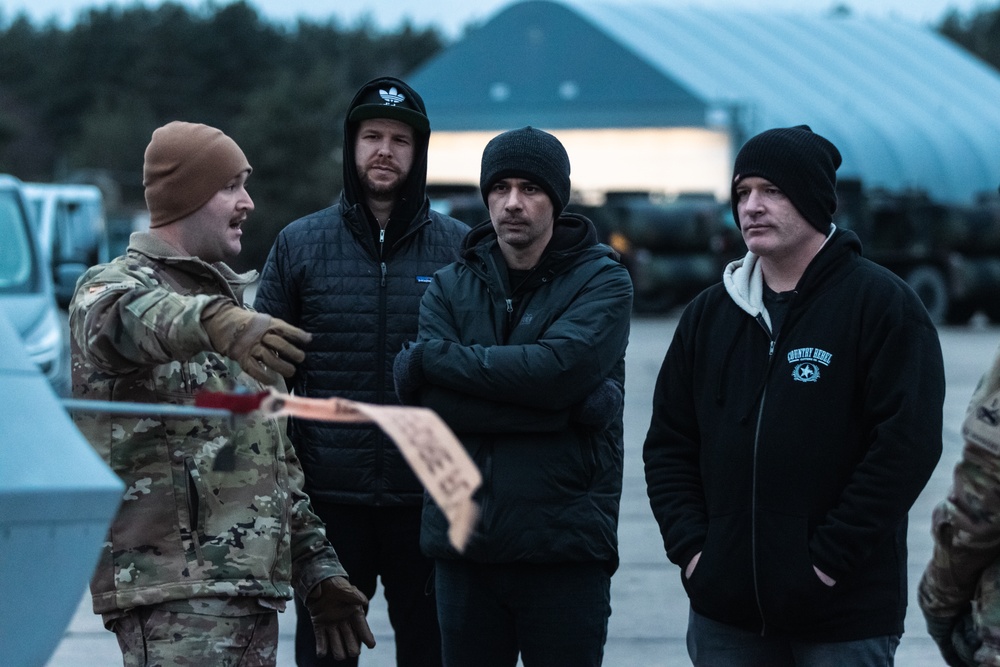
column 553, row 615
column 384, row 542
column 711, row 643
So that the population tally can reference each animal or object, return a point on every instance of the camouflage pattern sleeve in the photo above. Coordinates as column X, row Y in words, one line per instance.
column 313, row 557
column 123, row 319
column 966, row 525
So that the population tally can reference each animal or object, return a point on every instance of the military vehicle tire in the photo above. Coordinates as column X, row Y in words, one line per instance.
column 992, row 311
column 959, row 312
column 653, row 303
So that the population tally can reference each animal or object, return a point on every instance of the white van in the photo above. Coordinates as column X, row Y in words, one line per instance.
column 26, row 294
column 70, row 222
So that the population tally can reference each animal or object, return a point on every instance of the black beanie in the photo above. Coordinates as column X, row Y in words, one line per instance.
column 527, row 153
column 799, row 162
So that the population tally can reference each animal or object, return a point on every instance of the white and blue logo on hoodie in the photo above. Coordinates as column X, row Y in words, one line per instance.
column 806, row 362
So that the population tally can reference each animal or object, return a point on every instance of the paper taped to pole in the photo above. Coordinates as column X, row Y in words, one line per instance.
column 436, row 456
column 430, row 448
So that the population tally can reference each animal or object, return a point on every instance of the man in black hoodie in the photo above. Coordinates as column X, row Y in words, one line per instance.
column 521, row 351
column 353, row 275
column 796, row 418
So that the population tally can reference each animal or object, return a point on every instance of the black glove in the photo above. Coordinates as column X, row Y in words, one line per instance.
column 338, row 613
column 408, row 372
column 944, row 630
column 598, row 410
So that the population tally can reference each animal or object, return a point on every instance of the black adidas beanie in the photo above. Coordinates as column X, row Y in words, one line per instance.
column 801, row 163
column 527, row 153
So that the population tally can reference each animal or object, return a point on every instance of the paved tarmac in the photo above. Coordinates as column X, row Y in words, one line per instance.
column 649, row 616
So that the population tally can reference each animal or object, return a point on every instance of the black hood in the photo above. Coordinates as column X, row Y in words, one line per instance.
column 413, row 193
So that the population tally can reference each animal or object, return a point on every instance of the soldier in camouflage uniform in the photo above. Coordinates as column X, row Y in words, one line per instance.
column 960, row 590
column 214, row 532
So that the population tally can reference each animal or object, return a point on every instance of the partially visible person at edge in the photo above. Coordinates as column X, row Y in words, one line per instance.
column 214, row 531
column 352, row 275
column 959, row 592
column 796, row 417
column 521, row 351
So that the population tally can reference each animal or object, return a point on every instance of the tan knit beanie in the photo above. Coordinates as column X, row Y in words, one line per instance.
column 184, row 166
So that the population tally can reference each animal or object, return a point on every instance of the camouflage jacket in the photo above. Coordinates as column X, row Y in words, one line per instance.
column 212, row 507
column 965, row 566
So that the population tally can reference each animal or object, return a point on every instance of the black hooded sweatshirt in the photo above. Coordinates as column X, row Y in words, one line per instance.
column 329, row 274
column 773, row 452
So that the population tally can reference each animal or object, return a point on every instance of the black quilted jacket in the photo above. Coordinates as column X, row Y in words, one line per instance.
column 323, row 275
column 328, row 274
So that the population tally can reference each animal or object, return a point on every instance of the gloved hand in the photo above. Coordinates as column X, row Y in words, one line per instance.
column 944, row 630
column 598, row 410
column 408, row 372
column 338, row 618
column 259, row 342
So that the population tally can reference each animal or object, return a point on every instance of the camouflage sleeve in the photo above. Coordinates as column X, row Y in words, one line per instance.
column 122, row 320
column 313, row 557
column 966, row 525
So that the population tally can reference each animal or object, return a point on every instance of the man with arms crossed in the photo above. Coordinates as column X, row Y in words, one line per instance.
column 521, row 351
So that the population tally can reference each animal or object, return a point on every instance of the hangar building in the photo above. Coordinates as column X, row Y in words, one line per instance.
column 659, row 99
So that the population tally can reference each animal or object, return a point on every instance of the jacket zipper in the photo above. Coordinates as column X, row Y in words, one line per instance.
column 378, row 255
column 753, row 499
column 382, row 335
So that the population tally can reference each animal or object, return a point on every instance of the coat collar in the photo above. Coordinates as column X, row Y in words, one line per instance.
column 155, row 248
column 744, row 281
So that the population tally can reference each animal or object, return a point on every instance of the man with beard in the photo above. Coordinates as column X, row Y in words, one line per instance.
column 353, row 275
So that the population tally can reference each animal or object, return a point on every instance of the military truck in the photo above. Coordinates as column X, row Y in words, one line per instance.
column 949, row 255
column 673, row 247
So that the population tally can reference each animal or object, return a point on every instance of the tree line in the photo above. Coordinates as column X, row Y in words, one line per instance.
column 81, row 102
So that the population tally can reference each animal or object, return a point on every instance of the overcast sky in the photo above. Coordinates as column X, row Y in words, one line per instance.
column 452, row 15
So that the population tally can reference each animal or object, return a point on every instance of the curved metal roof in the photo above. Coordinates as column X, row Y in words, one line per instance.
column 906, row 107
column 542, row 64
